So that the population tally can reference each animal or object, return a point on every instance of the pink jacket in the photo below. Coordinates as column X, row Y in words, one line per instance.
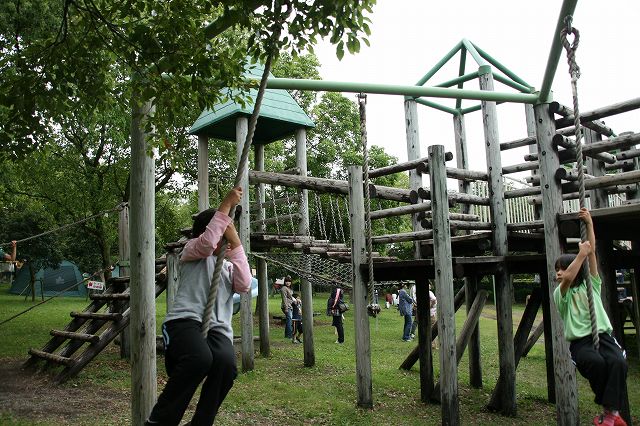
column 204, row 245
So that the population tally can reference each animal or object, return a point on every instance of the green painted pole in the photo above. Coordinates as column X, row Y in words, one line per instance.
column 473, row 109
column 463, row 60
column 474, row 53
column 509, row 82
column 390, row 89
column 439, row 65
column 501, row 67
column 437, row 106
column 459, row 80
column 568, row 7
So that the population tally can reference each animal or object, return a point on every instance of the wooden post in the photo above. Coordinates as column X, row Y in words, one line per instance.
column 203, row 173
column 564, row 371
column 143, row 308
column 123, row 261
column 303, row 229
column 246, row 315
column 444, row 287
column 425, row 354
column 471, row 283
column 635, row 292
column 261, row 264
column 413, row 153
column 635, row 282
column 504, row 288
column 359, row 282
column 546, row 302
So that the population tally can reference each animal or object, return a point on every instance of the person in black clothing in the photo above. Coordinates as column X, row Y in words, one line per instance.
column 333, row 311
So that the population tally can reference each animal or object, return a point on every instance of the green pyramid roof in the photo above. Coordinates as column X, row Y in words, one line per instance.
column 280, row 115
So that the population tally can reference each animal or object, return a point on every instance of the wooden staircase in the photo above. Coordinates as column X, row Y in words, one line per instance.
column 91, row 330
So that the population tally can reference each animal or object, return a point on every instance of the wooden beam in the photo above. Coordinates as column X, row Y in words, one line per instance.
column 457, row 173
column 504, row 290
column 261, row 264
column 567, row 113
column 444, row 287
column 244, row 231
column 334, row 186
column 599, row 113
column 364, row 383
column 564, row 372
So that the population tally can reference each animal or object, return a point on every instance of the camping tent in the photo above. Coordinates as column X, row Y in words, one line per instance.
column 52, row 280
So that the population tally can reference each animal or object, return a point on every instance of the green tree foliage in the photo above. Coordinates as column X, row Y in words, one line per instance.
column 56, row 55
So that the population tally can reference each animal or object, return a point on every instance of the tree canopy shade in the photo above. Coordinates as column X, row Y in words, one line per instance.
column 57, row 55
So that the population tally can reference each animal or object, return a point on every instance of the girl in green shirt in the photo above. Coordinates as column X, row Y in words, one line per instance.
column 605, row 368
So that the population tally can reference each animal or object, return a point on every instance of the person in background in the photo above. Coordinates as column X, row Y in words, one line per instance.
column 287, row 308
column 190, row 357
column 414, row 310
column 296, row 307
column 388, row 300
column 9, row 257
column 433, row 310
column 405, row 306
column 332, row 310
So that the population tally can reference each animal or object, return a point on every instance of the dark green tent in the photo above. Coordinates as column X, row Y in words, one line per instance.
column 51, row 280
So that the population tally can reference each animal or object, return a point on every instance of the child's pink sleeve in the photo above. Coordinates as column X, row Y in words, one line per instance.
column 204, row 245
column 241, row 271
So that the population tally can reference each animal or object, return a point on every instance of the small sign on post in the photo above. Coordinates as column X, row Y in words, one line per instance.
column 95, row 285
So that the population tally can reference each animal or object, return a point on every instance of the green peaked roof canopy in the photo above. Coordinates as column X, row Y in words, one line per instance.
column 280, row 115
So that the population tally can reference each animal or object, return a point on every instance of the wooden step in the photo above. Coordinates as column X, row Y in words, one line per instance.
column 109, row 296
column 108, row 316
column 91, row 338
column 125, row 280
column 52, row 357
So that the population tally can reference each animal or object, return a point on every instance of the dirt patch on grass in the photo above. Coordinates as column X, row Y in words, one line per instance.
column 31, row 396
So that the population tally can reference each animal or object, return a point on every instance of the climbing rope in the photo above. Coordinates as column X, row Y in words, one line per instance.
column 574, row 71
column 242, row 165
column 372, row 309
column 69, row 225
column 346, row 210
column 333, row 219
column 340, row 227
column 320, row 216
column 275, row 210
column 286, row 195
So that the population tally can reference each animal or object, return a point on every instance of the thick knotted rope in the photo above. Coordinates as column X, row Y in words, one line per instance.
column 373, row 308
column 574, row 71
column 242, row 165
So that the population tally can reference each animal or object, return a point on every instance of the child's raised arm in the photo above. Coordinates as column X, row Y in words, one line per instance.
column 585, row 216
column 572, row 270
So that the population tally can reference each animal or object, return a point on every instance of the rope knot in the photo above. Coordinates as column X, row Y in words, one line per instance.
column 571, row 48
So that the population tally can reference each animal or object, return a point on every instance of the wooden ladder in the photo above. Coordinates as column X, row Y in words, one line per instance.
column 90, row 331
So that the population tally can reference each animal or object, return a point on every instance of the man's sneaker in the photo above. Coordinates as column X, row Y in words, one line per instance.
column 412, row 336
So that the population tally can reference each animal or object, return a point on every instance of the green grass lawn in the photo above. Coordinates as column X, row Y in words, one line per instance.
column 281, row 390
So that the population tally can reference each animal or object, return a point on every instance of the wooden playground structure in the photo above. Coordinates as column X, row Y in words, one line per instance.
column 490, row 235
